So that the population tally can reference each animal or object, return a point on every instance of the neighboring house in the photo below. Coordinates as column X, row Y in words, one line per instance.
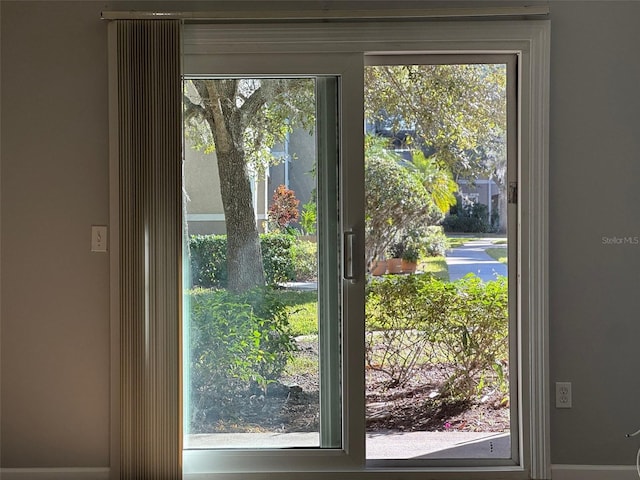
column 482, row 190
column 203, row 202
column 297, row 170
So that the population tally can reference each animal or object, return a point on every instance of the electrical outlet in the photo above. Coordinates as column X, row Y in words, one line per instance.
column 563, row 394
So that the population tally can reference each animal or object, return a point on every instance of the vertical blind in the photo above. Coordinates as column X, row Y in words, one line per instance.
column 149, row 167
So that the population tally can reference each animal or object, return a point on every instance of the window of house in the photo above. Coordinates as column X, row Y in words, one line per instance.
column 281, row 126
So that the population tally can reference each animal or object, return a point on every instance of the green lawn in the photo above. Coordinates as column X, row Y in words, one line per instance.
column 302, row 365
column 437, row 266
column 303, row 320
column 303, row 309
column 498, row 253
column 455, row 242
column 303, row 305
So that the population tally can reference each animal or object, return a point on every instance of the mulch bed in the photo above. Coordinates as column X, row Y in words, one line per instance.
column 292, row 405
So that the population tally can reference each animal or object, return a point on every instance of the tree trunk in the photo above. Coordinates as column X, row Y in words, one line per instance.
column 244, row 255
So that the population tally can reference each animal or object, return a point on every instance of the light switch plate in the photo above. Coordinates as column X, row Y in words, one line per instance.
column 98, row 238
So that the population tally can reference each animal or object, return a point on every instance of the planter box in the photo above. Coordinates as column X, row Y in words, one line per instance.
column 379, row 267
column 409, row 267
column 394, row 265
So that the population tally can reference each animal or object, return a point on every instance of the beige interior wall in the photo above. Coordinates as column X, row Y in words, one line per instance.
column 55, row 292
column 594, row 194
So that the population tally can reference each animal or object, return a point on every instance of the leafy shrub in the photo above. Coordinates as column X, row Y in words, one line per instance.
column 434, row 242
column 411, row 253
column 422, row 241
column 417, row 318
column 235, row 341
column 305, row 260
column 277, row 257
column 284, row 208
column 396, row 201
column 395, row 250
column 309, row 218
column 469, row 219
column 209, row 259
column 398, row 334
column 463, row 224
column 475, row 338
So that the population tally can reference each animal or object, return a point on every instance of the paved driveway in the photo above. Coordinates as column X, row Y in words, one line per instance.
column 471, row 258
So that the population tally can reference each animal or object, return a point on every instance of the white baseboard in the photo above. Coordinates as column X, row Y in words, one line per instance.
column 594, row 472
column 54, row 473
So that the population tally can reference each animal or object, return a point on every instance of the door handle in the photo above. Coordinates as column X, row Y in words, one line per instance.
column 348, row 271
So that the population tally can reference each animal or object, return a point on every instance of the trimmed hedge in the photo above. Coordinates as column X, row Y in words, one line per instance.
column 277, row 257
column 209, row 259
column 468, row 219
column 305, row 259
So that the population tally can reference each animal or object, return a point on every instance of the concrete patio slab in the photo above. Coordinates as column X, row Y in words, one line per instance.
column 382, row 445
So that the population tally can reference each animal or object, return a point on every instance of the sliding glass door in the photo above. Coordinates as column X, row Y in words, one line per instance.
column 262, row 324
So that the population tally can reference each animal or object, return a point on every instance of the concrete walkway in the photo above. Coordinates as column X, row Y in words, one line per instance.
column 471, row 258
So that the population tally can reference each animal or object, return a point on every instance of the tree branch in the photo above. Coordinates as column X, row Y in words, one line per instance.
column 192, row 110
column 213, row 112
column 267, row 90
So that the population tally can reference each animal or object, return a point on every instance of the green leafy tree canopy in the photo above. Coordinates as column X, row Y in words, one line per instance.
column 452, row 109
column 396, row 200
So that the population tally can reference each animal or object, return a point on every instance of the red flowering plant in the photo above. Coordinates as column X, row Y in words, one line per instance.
column 284, row 209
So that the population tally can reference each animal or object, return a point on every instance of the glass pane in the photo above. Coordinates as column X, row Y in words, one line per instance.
column 252, row 234
column 437, row 306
